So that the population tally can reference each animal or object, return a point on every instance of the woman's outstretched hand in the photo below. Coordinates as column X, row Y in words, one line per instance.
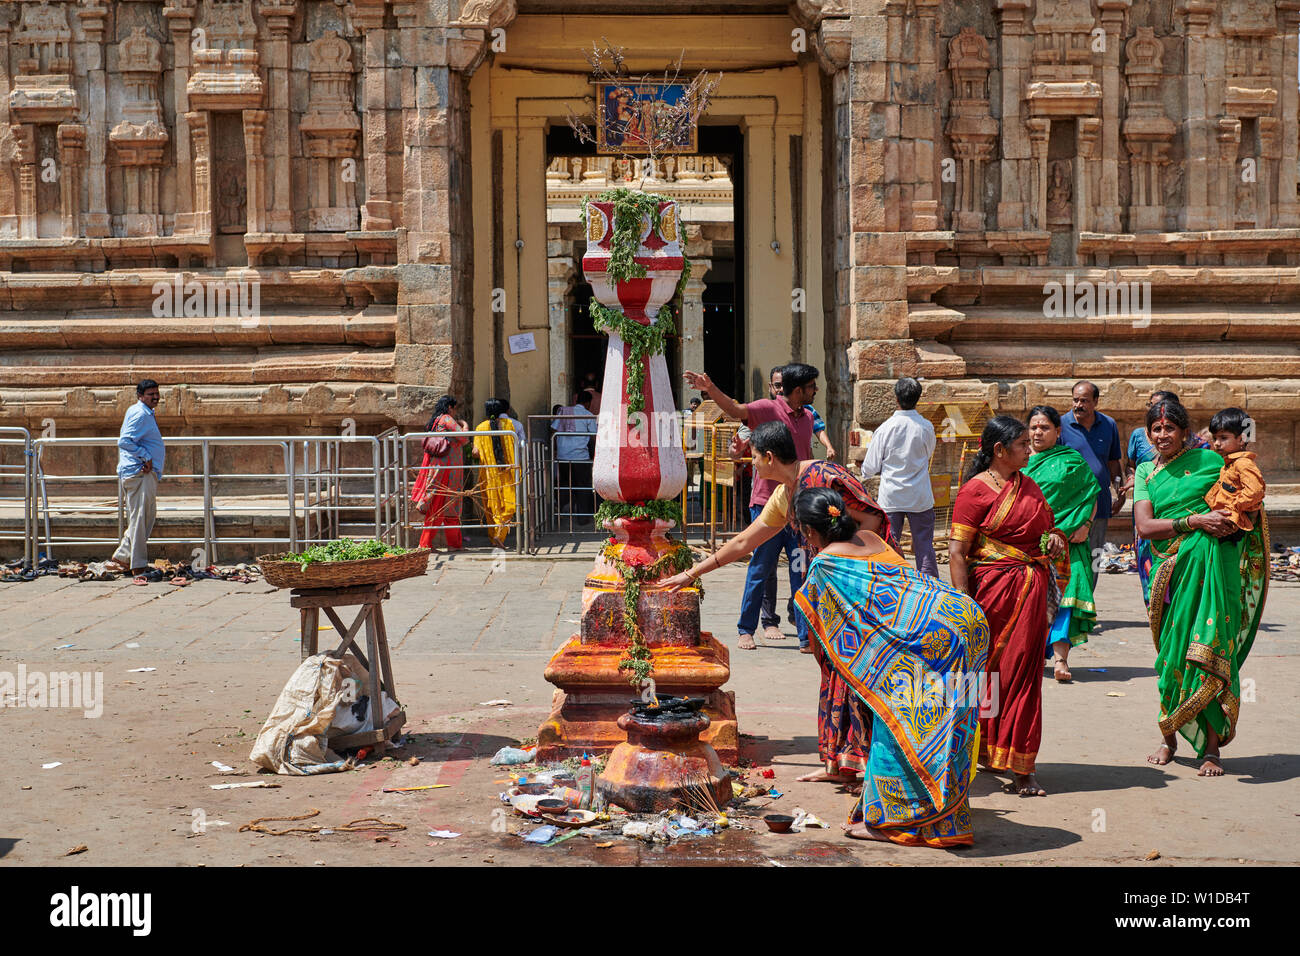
column 678, row 581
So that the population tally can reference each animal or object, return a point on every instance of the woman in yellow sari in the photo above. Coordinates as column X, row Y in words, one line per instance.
column 498, row 471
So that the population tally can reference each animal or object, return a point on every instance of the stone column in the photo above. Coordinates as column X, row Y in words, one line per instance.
column 1288, row 206
column 200, row 215
column 368, row 17
column 1015, row 206
column 180, row 19
column 693, row 322
column 1040, row 129
column 1198, row 159
column 254, row 135
column 24, row 135
column 561, row 273
column 72, row 144
column 1114, row 20
column 92, row 57
column 275, row 58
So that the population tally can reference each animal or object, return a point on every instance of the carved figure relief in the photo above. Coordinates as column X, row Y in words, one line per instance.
column 330, row 132
column 1060, row 193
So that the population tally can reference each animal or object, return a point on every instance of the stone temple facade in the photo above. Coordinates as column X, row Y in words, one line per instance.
column 297, row 212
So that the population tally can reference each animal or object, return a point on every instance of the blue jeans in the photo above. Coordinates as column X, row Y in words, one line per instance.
column 763, row 563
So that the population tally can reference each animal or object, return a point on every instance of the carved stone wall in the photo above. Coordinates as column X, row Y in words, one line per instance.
column 1139, row 158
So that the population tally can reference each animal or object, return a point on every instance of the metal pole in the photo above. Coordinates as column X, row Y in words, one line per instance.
column 287, row 446
column 209, row 521
column 374, row 485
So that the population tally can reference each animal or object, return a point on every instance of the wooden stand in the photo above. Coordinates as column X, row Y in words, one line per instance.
column 310, row 602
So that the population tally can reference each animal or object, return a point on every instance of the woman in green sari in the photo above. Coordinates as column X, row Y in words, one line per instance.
column 1070, row 487
column 1207, row 593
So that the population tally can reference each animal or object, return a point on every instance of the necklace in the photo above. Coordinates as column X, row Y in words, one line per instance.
column 1164, row 464
column 998, row 481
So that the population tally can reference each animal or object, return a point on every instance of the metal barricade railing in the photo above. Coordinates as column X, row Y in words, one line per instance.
column 565, row 485
column 717, row 482
column 413, row 523
column 17, row 471
column 332, row 486
column 319, row 492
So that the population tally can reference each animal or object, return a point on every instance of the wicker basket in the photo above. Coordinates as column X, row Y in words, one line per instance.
column 342, row 574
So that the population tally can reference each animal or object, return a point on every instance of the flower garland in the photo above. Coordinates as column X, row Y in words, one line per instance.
column 640, row 511
column 639, row 660
column 630, row 209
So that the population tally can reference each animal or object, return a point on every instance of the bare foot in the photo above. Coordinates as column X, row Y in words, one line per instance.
column 860, row 831
column 1061, row 671
column 1026, row 785
column 773, row 633
column 806, row 650
column 1163, row 755
column 824, row 776
column 1211, row 767
column 746, row 642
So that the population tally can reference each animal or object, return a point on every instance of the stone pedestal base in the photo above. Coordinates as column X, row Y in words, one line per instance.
column 594, row 694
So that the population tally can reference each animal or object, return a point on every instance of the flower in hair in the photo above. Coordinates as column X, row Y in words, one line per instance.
column 833, row 511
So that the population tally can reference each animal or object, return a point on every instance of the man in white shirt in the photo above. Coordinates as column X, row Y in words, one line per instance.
column 573, row 460
column 900, row 452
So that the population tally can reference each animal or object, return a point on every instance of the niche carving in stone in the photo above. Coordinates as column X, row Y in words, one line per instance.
column 330, row 132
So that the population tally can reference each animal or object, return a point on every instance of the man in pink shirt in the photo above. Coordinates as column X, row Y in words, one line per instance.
column 799, row 387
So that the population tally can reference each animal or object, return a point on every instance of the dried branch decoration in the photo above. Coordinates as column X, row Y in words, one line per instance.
column 661, row 124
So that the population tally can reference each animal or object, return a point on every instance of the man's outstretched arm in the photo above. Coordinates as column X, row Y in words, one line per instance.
column 701, row 382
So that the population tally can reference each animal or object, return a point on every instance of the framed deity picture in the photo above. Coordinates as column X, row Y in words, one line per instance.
column 632, row 117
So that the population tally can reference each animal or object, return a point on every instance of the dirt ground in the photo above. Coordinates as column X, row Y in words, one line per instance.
column 133, row 784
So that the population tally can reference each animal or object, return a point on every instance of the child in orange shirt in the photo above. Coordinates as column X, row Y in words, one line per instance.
column 1240, row 488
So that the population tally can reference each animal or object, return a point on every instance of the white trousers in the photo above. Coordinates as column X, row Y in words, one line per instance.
column 141, row 492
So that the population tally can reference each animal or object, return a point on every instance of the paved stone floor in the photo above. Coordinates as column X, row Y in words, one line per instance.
column 133, row 781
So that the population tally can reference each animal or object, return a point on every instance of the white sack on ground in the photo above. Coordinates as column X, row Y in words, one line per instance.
column 293, row 739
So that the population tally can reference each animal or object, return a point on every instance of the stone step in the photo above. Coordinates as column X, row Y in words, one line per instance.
column 1167, row 323
column 375, row 326
column 228, row 366
column 1079, row 359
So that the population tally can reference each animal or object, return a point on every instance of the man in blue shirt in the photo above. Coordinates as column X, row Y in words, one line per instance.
column 1096, row 437
column 140, row 459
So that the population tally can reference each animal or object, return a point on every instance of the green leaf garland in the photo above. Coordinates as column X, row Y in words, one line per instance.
column 639, row 660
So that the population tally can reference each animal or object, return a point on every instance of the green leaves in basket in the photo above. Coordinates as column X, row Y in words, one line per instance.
column 345, row 549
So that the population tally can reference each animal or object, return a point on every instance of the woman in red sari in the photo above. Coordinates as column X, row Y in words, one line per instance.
column 999, row 552
column 437, row 487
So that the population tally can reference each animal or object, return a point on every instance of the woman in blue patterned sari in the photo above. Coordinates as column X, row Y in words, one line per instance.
column 913, row 649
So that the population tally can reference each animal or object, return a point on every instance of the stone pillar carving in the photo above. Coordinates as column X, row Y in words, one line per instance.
column 1039, row 131
column 254, row 138
column 368, row 17
column 1198, row 158
column 1016, row 207
column 279, row 16
column 1288, row 205
column 1148, row 133
column 1114, row 21
column 9, row 166
column 972, row 129
column 561, row 275
column 72, row 146
column 692, row 340
column 43, row 93
column 24, row 135
column 329, row 132
column 92, row 14
column 201, row 164
column 180, row 19
column 1252, row 46
column 138, row 140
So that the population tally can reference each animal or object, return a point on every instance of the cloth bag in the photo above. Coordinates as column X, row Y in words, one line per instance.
column 293, row 741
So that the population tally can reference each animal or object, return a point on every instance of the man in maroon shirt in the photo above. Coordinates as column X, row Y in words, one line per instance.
column 799, row 388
